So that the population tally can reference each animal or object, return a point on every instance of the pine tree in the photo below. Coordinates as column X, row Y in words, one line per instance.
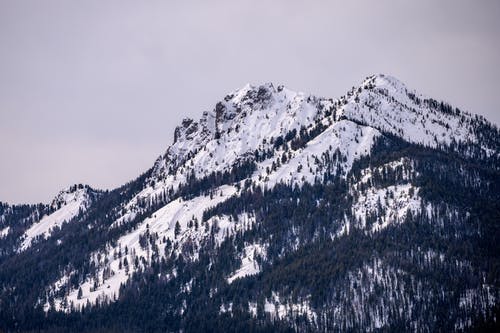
column 177, row 229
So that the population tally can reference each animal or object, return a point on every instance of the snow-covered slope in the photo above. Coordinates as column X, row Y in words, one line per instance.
column 385, row 103
column 248, row 124
column 246, row 120
column 249, row 262
column 289, row 138
column 178, row 223
column 64, row 207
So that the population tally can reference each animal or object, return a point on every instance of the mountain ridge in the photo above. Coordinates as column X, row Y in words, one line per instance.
column 378, row 81
column 271, row 174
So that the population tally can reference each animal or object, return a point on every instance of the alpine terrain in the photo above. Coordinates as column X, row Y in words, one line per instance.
column 276, row 211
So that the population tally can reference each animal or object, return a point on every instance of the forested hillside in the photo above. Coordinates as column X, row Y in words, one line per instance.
column 276, row 211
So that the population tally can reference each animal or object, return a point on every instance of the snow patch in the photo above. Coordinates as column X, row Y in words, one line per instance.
column 4, row 232
column 282, row 308
column 390, row 204
column 67, row 204
column 249, row 263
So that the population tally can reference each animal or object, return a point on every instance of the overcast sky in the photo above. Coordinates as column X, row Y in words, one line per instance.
column 91, row 91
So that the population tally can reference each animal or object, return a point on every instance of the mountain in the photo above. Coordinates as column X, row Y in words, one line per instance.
column 67, row 205
column 33, row 223
column 276, row 211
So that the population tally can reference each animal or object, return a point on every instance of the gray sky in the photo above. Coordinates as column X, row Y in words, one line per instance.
column 91, row 91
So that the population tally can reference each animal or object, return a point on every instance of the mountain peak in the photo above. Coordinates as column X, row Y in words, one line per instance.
column 239, row 95
column 249, row 118
column 385, row 103
column 381, row 80
column 250, row 95
column 65, row 207
column 73, row 193
column 387, row 85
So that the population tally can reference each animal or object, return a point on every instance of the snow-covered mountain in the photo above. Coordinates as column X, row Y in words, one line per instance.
column 67, row 205
column 269, row 182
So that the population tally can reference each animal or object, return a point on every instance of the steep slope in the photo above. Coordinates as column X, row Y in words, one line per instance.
column 64, row 208
column 250, row 123
column 281, row 210
column 240, row 129
column 21, row 225
column 387, row 104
